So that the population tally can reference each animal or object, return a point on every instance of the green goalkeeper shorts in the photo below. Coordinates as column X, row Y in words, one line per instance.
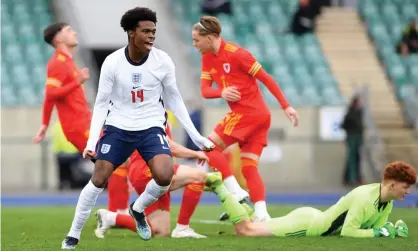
column 300, row 222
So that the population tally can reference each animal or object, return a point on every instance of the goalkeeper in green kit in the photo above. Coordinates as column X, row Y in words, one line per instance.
column 363, row 212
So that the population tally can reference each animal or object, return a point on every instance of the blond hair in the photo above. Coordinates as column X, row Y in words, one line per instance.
column 208, row 25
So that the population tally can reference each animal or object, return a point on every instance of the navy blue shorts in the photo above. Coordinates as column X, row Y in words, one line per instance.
column 117, row 145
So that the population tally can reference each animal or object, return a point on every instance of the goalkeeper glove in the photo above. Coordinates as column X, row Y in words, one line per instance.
column 401, row 229
column 388, row 230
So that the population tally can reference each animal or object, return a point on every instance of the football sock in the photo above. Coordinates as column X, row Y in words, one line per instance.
column 86, row 202
column 181, row 227
column 231, row 205
column 151, row 194
column 118, row 192
column 260, row 209
column 253, row 179
column 125, row 221
column 191, row 197
column 110, row 217
column 232, row 184
column 218, row 160
column 123, row 211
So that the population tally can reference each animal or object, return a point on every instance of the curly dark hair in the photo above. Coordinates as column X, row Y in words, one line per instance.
column 400, row 171
column 130, row 19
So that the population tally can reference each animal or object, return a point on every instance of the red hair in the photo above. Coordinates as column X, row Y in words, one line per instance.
column 401, row 172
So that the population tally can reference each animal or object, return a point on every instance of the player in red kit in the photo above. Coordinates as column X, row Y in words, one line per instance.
column 158, row 213
column 235, row 72
column 64, row 91
column 64, row 88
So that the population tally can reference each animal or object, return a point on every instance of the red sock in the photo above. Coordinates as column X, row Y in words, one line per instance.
column 126, row 221
column 255, row 183
column 219, row 161
column 118, row 191
column 191, row 198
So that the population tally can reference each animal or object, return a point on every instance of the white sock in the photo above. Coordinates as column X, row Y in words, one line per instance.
column 85, row 204
column 111, row 217
column 232, row 185
column 181, row 226
column 151, row 194
column 260, row 209
column 123, row 211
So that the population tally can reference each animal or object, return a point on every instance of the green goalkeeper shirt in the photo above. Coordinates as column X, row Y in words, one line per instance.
column 357, row 213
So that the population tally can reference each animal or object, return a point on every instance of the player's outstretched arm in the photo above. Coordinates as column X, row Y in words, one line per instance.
column 176, row 104
column 274, row 88
column 355, row 217
column 253, row 67
column 101, row 105
column 180, row 151
column 359, row 213
column 47, row 108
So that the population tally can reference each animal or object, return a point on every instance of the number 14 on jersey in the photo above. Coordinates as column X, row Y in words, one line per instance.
column 137, row 95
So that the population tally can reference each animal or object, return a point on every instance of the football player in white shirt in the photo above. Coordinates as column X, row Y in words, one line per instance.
column 138, row 79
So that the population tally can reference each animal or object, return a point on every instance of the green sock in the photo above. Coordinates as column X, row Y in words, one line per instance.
column 221, row 191
column 233, row 208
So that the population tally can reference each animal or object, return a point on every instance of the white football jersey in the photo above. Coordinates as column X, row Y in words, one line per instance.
column 136, row 89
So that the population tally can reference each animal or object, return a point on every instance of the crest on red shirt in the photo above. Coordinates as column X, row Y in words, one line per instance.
column 227, row 67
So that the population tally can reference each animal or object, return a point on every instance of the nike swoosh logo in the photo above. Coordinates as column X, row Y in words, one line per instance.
column 133, row 88
column 165, row 147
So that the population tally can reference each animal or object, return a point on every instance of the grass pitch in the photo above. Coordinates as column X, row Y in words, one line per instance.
column 43, row 228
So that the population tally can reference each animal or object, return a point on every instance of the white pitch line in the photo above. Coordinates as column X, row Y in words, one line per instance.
column 211, row 222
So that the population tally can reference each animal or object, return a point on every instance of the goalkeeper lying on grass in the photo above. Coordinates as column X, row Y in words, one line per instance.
column 361, row 213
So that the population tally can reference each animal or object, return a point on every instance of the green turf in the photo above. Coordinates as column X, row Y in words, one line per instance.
column 38, row 228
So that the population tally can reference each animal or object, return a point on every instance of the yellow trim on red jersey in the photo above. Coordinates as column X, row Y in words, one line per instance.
column 195, row 187
column 53, row 82
column 61, row 57
column 206, row 75
column 254, row 68
column 230, row 47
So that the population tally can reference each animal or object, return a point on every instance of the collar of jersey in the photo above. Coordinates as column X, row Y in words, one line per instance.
column 221, row 46
column 143, row 60
column 380, row 205
column 59, row 51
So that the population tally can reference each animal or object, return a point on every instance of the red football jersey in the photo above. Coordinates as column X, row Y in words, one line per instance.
column 235, row 66
column 64, row 91
column 138, row 166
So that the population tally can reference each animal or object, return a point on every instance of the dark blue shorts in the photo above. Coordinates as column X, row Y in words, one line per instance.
column 117, row 145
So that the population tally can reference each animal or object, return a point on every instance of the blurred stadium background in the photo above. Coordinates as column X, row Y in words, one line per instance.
column 351, row 51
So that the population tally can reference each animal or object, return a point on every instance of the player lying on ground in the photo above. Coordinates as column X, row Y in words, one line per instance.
column 158, row 214
column 137, row 80
column 235, row 72
column 363, row 212
column 64, row 89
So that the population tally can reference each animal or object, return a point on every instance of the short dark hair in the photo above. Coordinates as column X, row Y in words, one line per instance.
column 52, row 30
column 131, row 18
